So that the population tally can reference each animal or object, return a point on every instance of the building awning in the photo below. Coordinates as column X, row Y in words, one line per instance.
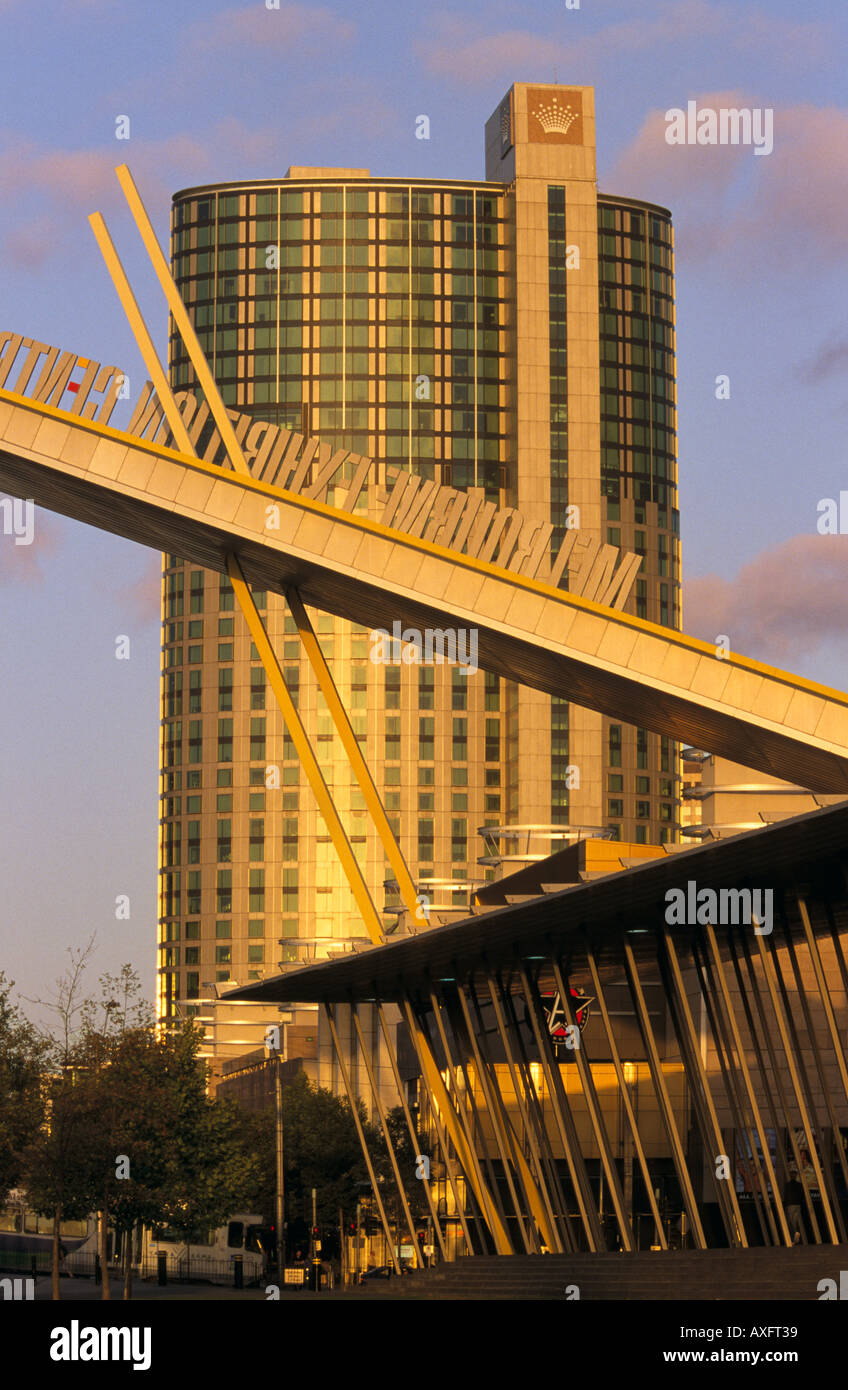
column 804, row 852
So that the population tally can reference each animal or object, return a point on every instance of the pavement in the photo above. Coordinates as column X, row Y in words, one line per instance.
column 86, row 1291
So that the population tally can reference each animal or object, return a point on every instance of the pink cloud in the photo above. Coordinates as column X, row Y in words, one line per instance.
column 47, row 191
column 457, row 52
column 264, row 29
column 142, row 598
column 31, row 244
column 728, row 201
column 830, row 360
column 22, row 564
column 781, row 606
column 78, row 180
column 463, row 51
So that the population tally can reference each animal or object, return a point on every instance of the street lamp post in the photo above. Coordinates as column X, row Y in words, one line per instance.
column 275, row 1043
column 281, row 1229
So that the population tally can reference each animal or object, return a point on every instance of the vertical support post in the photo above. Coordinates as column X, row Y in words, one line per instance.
column 281, row 1224
column 329, row 1014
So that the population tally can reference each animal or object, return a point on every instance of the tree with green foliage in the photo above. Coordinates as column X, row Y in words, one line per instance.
column 24, row 1056
column 321, row 1150
column 407, row 1158
column 60, row 1160
column 71, row 1162
column 167, row 1154
column 212, row 1171
column 131, row 1132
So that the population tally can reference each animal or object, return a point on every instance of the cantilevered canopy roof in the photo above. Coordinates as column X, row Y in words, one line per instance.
column 802, row 852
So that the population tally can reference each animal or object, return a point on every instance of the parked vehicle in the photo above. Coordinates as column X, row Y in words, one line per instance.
column 24, row 1235
column 379, row 1272
column 211, row 1255
column 383, row 1272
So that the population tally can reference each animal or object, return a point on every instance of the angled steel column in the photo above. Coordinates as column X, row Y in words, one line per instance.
column 710, row 1127
column 564, row 1119
column 624, row 1091
column 254, row 621
column 824, row 992
column 496, row 1120
column 596, row 1118
column 455, row 1127
column 824, row 1085
column 375, row 1091
column 733, row 1091
column 552, row 1236
column 183, row 321
column 661, row 1090
column 838, row 938
column 300, row 739
column 733, row 1094
column 782, row 1120
column 709, row 932
column 536, row 1112
column 436, row 1114
column 413, row 1133
column 234, row 452
column 329, row 1014
column 792, row 1058
column 532, row 1219
column 350, row 743
column 795, row 1037
column 466, row 1111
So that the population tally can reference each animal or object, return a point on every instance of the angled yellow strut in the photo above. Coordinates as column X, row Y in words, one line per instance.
column 255, row 624
column 234, row 452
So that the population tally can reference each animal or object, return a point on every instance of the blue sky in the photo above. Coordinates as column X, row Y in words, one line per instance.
column 240, row 91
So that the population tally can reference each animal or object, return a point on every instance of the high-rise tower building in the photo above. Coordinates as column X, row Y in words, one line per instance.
column 514, row 335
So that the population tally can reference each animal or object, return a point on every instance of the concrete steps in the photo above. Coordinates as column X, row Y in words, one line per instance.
column 690, row 1275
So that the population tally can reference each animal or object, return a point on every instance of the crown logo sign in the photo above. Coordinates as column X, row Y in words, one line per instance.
column 555, row 117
